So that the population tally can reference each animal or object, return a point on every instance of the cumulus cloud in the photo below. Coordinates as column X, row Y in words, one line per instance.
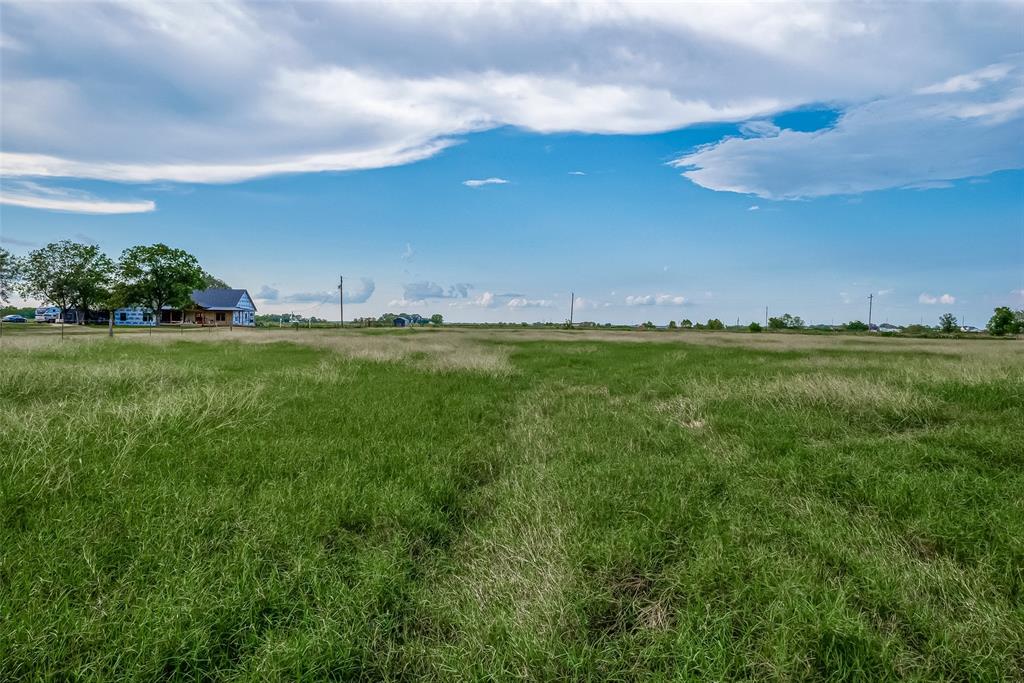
column 35, row 196
column 267, row 88
column 485, row 181
column 919, row 141
column 656, row 300
column 418, row 291
column 358, row 294
column 267, row 293
column 926, row 298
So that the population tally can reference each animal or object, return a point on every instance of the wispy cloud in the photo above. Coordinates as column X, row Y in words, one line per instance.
column 14, row 241
column 32, row 195
column 919, row 141
column 755, row 207
column 409, row 252
column 485, row 181
column 577, row 173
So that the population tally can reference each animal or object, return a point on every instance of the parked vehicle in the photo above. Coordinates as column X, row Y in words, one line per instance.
column 14, row 318
column 48, row 314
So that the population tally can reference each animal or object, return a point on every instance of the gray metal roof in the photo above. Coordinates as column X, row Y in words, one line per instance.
column 219, row 299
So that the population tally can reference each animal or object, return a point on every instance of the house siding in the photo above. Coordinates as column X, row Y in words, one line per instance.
column 133, row 317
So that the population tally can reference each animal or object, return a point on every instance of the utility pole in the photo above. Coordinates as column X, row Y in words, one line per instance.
column 766, row 316
column 572, row 306
column 871, row 301
column 341, row 299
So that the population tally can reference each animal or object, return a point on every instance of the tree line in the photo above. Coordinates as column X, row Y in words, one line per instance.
column 72, row 275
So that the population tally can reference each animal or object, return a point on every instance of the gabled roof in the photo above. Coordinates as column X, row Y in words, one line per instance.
column 219, row 299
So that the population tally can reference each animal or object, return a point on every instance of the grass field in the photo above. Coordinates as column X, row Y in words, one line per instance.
column 457, row 505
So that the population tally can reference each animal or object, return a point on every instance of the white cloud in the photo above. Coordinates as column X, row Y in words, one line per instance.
column 926, row 298
column 268, row 88
column 485, row 181
column 656, row 300
column 577, row 173
column 409, row 253
column 521, row 302
column 919, row 141
column 34, row 196
column 760, row 129
column 969, row 82
column 357, row 294
column 1017, row 294
column 755, row 207
column 407, row 303
column 416, row 291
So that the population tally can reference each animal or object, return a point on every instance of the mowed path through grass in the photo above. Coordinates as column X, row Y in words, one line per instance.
column 511, row 505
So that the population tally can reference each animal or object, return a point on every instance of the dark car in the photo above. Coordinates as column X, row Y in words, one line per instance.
column 14, row 319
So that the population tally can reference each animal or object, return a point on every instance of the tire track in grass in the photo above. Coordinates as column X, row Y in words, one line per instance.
column 500, row 603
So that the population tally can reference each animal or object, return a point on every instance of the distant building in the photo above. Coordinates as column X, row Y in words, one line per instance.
column 410, row 320
column 215, row 307
column 886, row 327
column 209, row 307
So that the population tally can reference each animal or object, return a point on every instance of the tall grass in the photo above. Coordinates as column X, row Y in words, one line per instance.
column 518, row 505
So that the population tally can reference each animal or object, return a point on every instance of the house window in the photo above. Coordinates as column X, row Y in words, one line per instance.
column 147, row 317
column 123, row 316
column 220, row 317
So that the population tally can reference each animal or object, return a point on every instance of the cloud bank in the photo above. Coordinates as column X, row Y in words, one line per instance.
column 216, row 93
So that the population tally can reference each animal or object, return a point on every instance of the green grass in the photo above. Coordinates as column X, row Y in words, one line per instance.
column 511, row 505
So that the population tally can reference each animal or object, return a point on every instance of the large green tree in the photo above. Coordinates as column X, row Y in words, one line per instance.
column 213, row 282
column 67, row 274
column 1003, row 321
column 158, row 275
column 947, row 323
column 8, row 274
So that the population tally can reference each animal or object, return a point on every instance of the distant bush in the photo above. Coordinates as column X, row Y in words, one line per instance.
column 947, row 323
column 715, row 324
column 857, row 326
column 671, row 324
column 686, row 323
column 755, row 327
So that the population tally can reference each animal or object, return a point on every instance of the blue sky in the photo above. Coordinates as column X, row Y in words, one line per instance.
column 694, row 164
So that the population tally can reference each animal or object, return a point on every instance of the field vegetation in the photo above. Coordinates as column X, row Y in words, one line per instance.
column 516, row 505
